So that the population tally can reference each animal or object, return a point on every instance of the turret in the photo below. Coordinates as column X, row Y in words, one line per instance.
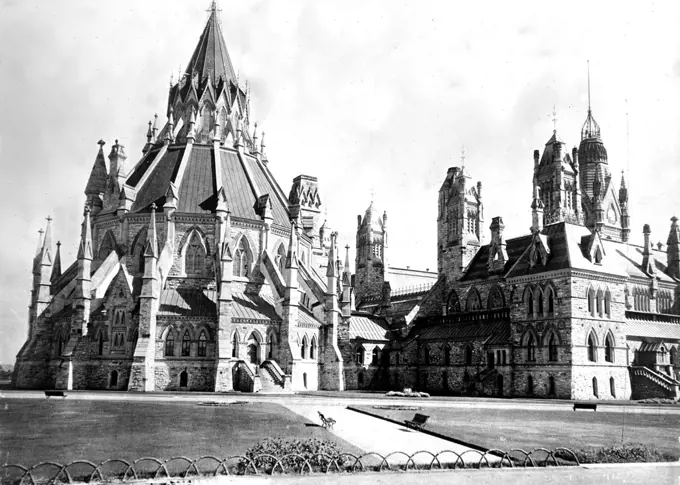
column 537, row 211
column 371, row 268
column 305, row 201
column 673, row 249
column 625, row 216
column 347, row 297
column 498, row 255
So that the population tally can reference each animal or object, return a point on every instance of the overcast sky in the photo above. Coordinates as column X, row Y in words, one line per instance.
column 363, row 94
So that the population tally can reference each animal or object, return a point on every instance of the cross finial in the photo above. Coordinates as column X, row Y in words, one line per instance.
column 49, row 218
column 554, row 119
column 372, row 193
column 153, row 207
column 588, row 85
column 462, row 157
column 41, row 231
column 213, row 7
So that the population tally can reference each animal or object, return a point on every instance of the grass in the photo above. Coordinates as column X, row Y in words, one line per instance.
column 508, row 429
column 33, row 430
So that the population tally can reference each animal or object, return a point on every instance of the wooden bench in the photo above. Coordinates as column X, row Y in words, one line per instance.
column 54, row 393
column 585, row 405
column 327, row 423
column 418, row 421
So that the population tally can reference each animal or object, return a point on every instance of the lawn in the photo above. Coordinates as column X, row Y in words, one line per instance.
column 63, row 430
column 508, row 429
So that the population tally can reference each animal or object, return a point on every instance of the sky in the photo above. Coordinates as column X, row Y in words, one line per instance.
column 370, row 96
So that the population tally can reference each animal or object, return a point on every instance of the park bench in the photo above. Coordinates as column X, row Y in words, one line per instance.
column 327, row 423
column 54, row 393
column 418, row 421
column 585, row 405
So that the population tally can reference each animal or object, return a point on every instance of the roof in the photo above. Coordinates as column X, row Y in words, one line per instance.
column 197, row 302
column 651, row 347
column 368, row 328
column 497, row 332
column 211, row 58
column 243, row 177
column 568, row 249
column 643, row 328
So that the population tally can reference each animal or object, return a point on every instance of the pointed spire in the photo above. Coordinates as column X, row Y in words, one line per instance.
column 171, row 126
column 154, row 129
column 191, row 132
column 346, row 272
column 331, row 268
column 96, row 184
column 85, row 247
column 47, row 242
column 56, row 267
column 590, row 128
column 151, row 248
column 149, row 132
column 623, row 191
column 673, row 249
column 255, row 147
column 211, row 58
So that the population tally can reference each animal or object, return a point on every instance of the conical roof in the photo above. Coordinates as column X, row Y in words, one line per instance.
column 211, row 58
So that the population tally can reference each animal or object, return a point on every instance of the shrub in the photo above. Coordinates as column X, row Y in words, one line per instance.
column 627, row 453
column 293, row 453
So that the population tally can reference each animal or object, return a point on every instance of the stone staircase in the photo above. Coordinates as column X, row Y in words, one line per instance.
column 272, row 378
column 647, row 383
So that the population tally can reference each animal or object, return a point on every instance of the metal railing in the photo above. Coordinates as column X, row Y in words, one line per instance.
column 50, row 472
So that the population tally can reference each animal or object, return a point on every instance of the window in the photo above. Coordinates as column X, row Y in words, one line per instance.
column 426, row 356
column 359, row 356
column 592, row 348
column 304, row 347
column 304, row 379
column 608, row 304
column 186, row 344
column 505, row 355
column 447, row 355
column 551, row 301
column 113, row 379
column 612, row 387
column 552, row 348
column 591, row 302
column 529, row 302
column 530, row 385
column 242, row 259
column 312, row 349
column 454, row 303
column 270, row 354
column 531, row 348
column 375, row 356
column 234, row 345
column 609, row 349
column 170, row 344
column 595, row 392
column 360, row 379
column 468, row 355
column 495, row 298
column 490, row 360
column 183, row 379
column 202, row 344
column 473, row 301
column 100, row 344
column 600, row 303
column 194, row 258
column 539, row 296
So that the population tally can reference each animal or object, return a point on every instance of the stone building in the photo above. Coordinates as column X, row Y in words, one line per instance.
column 196, row 271
column 572, row 310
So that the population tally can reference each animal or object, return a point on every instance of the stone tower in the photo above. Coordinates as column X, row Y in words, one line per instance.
column 459, row 223
column 557, row 181
column 371, row 257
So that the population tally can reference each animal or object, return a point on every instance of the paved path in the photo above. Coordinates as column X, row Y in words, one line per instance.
column 375, row 435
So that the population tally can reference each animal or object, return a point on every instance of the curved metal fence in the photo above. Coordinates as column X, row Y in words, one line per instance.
column 182, row 467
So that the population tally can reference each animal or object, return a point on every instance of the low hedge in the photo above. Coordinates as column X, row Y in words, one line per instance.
column 626, row 453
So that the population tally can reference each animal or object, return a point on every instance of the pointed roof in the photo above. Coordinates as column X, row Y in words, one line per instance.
column 56, row 267
column 96, row 184
column 210, row 58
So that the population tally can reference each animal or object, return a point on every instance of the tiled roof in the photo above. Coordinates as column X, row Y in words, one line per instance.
column 478, row 266
column 641, row 328
column 368, row 328
column 307, row 319
column 197, row 302
column 240, row 195
column 498, row 332
column 255, row 307
column 157, row 184
column 196, row 192
column 210, row 58
column 650, row 347
column 279, row 211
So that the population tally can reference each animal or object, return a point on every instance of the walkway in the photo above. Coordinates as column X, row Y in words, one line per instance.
column 375, row 435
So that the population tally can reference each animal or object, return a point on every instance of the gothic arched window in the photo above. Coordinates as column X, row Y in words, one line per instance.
column 591, row 302
column 550, row 296
column 552, row 348
column 496, row 299
column 599, row 303
column 186, row 344
column 375, row 356
column 474, row 303
column 242, row 259
column 234, row 345
column 539, row 298
column 531, row 348
column 194, row 257
column 312, row 348
column 359, row 355
column 454, row 303
column 608, row 304
column 303, row 348
column 609, row 349
column 202, row 344
column 529, row 301
column 468, row 355
column 280, row 258
column 170, row 344
column 592, row 348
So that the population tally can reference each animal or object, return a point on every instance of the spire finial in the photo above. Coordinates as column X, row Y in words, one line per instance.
column 462, row 158
column 554, row 119
column 588, row 85
column 48, row 219
column 213, row 7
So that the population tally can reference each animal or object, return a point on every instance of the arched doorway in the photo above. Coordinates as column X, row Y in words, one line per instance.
column 499, row 385
column 253, row 353
column 113, row 381
column 183, row 379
